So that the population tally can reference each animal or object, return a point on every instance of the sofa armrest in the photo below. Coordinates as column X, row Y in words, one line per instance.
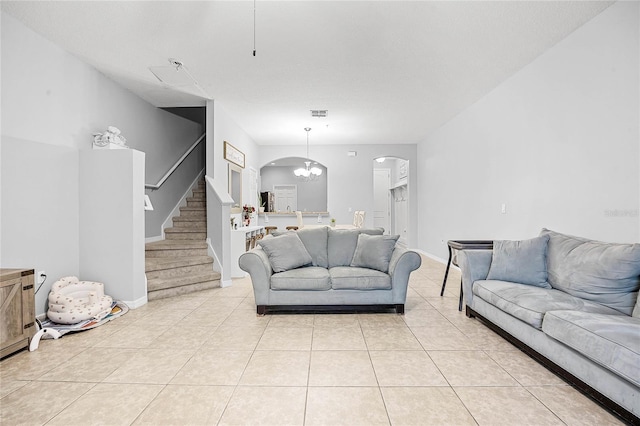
column 474, row 265
column 256, row 263
column 402, row 262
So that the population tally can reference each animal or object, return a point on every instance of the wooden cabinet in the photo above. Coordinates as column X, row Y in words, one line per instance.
column 17, row 310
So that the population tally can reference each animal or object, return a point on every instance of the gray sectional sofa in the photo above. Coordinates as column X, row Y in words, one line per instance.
column 569, row 302
column 321, row 267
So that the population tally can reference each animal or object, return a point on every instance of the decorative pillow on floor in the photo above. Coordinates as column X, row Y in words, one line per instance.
column 285, row 252
column 523, row 262
column 374, row 251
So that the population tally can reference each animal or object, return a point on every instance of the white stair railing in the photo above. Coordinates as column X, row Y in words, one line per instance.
column 176, row 165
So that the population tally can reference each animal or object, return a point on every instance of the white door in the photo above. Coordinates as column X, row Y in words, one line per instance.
column 381, row 199
column 286, row 198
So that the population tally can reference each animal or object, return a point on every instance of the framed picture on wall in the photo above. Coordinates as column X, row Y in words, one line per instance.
column 233, row 154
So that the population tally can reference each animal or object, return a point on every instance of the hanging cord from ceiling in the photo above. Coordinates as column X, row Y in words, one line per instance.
column 254, row 27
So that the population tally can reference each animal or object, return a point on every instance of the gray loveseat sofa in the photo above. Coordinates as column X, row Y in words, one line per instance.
column 322, row 266
column 569, row 302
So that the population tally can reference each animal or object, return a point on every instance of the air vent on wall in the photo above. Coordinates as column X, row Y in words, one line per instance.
column 321, row 113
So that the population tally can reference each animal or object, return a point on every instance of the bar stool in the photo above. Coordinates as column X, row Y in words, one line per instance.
column 270, row 228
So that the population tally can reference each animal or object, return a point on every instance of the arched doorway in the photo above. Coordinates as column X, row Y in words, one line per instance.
column 391, row 196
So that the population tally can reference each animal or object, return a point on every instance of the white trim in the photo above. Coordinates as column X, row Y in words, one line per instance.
column 225, row 283
column 217, row 265
column 154, row 239
column 137, row 303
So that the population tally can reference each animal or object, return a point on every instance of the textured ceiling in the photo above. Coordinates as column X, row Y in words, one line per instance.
column 387, row 71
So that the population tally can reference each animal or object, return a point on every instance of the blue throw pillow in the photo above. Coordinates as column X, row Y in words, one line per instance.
column 523, row 262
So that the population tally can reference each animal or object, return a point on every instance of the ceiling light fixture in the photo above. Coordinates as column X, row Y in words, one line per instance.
column 308, row 172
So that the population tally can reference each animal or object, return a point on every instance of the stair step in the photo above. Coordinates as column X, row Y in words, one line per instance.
column 176, row 248
column 165, row 283
column 163, row 263
column 191, row 224
column 185, row 233
column 185, row 289
column 191, row 202
column 181, row 271
column 193, row 211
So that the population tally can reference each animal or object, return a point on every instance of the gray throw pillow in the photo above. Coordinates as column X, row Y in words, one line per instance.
column 523, row 262
column 374, row 251
column 285, row 252
column 605, row 273
column 315, row 241
column 341, row 244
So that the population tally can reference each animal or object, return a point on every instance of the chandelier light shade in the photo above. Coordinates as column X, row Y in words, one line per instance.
column 307, row 172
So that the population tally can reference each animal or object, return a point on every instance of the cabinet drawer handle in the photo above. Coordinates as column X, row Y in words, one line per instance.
column 28, row 287
column 31, row 324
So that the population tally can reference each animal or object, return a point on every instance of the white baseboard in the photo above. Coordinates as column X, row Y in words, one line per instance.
column 225, row 283
column 136, row 303
column 436, row 258
column 154, row 239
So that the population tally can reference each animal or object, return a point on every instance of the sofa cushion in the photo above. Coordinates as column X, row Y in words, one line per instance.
column 612, row 341
column 354, row 278
column 530, row 303
column 523, row 262
column 374, row 251
column 315, row 241
column 342, row 244
column 636, row 309
column 606, row 273
column 310, row 278
column 285, row 252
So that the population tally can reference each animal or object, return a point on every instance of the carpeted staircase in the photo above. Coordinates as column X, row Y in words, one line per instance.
column 179, row 264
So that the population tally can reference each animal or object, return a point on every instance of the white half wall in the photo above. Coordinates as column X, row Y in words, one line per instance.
column 557, row 144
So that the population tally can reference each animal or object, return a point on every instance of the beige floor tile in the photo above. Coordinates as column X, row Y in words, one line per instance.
column 27, row 365
column 286, row 338
column 488, row 340
column 336, row 320
column 133, row 336
column 183, row 336
column 381, row 320
column 427, row 317
column 471, row 368
column 406, row 368
column 345, row 406
column 339, row 338
column 390, row 338
column 91, row 365
column 443, row 337
column 206, row 316
column 277, row 368
column 24, row 407
column 572, row 407
column 425, row 406
column 265, row 406
column 245, row 317
column 341, row 368
column 157, row 366
column 8, row 386
column 125, row 402
column 524, row 369
column 186, row 405
column 163, row 318
column 293, row 320
column 208, row 367
column 505, row 406
column 415, row 303
column 233, row 338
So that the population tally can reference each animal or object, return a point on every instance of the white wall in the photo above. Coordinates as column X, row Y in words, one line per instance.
column 350, row 179
column 312, row 194
column 52, row 103
column 558, row 143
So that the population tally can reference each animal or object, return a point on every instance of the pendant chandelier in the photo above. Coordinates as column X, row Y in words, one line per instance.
column 308, row 172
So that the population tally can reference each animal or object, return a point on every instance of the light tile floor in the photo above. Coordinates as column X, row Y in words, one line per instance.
column 206, row 358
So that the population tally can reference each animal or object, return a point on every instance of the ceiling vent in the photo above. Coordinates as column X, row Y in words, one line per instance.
column 320, row 113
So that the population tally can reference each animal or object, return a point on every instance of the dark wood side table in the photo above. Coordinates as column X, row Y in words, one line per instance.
column 463, row 245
